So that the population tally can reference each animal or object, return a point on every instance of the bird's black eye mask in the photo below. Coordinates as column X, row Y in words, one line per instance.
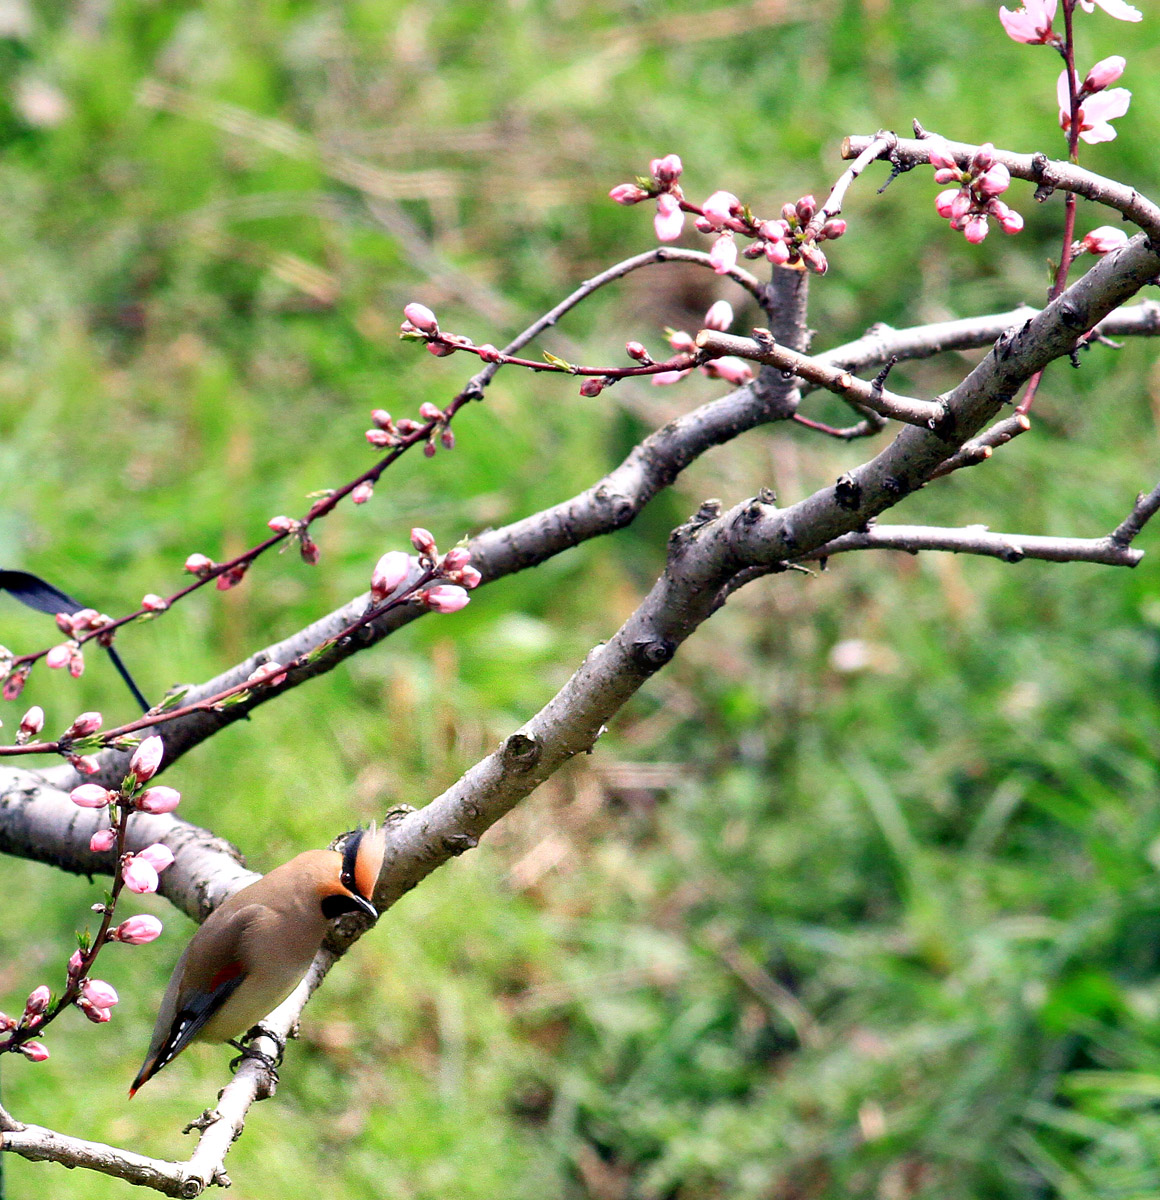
column 349, row 857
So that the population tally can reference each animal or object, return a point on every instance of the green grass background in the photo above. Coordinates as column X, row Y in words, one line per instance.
column 790, row 933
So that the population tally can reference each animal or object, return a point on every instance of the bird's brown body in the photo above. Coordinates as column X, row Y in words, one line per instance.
column 253, row 950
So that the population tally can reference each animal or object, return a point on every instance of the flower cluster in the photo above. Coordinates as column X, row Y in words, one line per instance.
column 729, row 368
column 388, row 432
column 440, row 584
column 975, row 199
column 791, row 240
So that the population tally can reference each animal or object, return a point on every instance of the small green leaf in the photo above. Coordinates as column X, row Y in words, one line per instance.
column 562, row 363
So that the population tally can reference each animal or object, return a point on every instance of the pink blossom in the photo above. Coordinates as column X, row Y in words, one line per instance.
column 421, row 317
column 1114, row 8
column 282, row 524
column 138, row 930
column 30, row 724
column 147, row 758
column 944, row 202
column 733, row 370
column 662, row 378
column 456, row 559
column 976, row 229
column 139, row 875
column 430, row 412
column 719, row 316
column 777, row 252
column 445, row 598
column 939, row 151
column 158, row 856
column 103, row 841
column 199, row 565
column 1104, row 239
column 362, row 493
column 34, row 1051
column 961, row 204
column 670, row 220
column 86, row 764
column 99, row 993
column 389, row 572
column 996, row 181
column 723, row 255
column 151, row 602
column 381, row 418
column 1106, row 71
column 75, row 962
column 379, row 437
column 87, row 723
column 1030, row 24
column 628, row 193
column 719, row 208
column 97, row 1015
column 58, row 656
column 680, row 340
column 1010, row 221
column 666, row 170
column 832, row 229
column 37, row 1001
column 488, row 353
column 469, row 577
column 1095, row 112
column 423, row 541
column 90, row 795
column 158, row 800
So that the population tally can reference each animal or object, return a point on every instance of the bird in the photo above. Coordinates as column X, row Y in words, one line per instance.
column 254, row 949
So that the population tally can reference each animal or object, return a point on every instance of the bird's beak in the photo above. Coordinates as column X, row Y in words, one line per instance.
column 366, row 906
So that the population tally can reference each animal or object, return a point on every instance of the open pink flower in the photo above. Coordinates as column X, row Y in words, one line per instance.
column 1094, row 113
column 1031, row 23
column 1114, row 8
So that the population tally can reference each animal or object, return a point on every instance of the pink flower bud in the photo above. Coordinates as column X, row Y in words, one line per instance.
column 58, row 656
column 100, row 993
column 282, row 524
column 961, row 204
column 151, row 602
column 136, row 931
column 456, row 559
column 593, row 386
column 447, row 439
column 1011, row 222
column 421, row 317
column 64, row 623
column 1106, row 71
column 488, row 353
column 86, row 764
column 381, row 418
column 30, row 724
column 422, row 540
column 389, row 572
column 720, row 207
column 996, row 181
column 147, row 758
column 469, row 577
column 778, row 253
column 379, row 437
column 34, row 1051
column 440, row 349
column 733, row 370
column 719, row 316
column 680, row 340
column 164, row 799
column 37, row 1001
column 983, row 158
column 76, row 662
column 308, row 550
column 976, row 230
column 666, row 170
column 199, row 565
column 789, row 215
column 6, row 1023
column 723, row 255
column 139, row 875
column 940, row 154
column 98, row 1016
column 362, row 493
column 806, row 207
column 1104, row 239
column 637, row 351
column 944, row 202
column 670, row 220
column 445, row 598
column 87, row 723
column 832, row 229
column 430, row 412
column 945, row 175
column 75, row 963
column 90, row 795
column 662, row 378
column 628, row 193
column 103, row 840
column 14, row 682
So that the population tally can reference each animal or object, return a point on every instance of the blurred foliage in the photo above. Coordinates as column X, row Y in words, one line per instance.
column 792, row 932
